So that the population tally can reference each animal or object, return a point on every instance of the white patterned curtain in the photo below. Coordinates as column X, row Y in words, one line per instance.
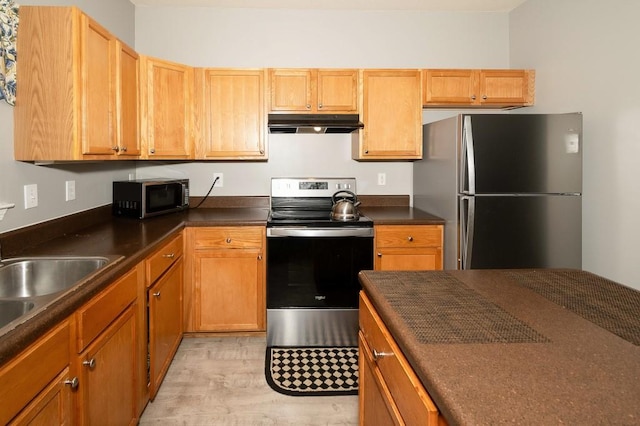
column 8, row 32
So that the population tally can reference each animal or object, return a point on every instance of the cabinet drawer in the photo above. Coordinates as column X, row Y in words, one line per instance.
column 411, row 398
column 406, row 236
column 229, row 237
column 161, row 260
column 97, row 314
column 29, row 373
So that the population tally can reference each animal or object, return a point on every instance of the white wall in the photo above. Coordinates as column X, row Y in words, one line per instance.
column 587, row 59
column 93, row 181
column 227, row 37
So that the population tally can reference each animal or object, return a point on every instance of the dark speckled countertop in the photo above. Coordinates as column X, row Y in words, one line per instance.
column 518, row 347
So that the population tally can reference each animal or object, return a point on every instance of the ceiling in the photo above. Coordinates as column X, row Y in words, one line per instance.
column 433, row 5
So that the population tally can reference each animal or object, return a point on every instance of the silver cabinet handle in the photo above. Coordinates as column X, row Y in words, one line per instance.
column 320, row 106
column 378, row 355
column 169, row 256
column 259, row 257
column 308, row 106
column 115, row 148
column 157, row 294
column 90, row 363
column 473, row 97
column 366, row 151
column 484, row 97
column 123, row 149
column 262, row 152
column 72, row 382
column 409, row 238
column 379, row 254
column 228, row 240
column 152, row 151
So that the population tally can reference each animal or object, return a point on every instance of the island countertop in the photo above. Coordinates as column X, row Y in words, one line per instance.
column 517, row 346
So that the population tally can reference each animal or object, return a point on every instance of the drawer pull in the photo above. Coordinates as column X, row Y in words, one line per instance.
column 91, row 363
column 259, row 257
column 156, row 294
column 228, row 240
column 379, row 355
column 169, row 256
column 410, row 238
column 379, row 254
column 73, row 383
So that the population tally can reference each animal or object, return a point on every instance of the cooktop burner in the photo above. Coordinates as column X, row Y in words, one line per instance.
column 307, row 202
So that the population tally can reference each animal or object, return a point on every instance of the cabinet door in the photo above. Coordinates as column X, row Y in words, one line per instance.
column 505, row 87
column 108, row 374
column 449, row 87
column 166, row 93
column 392, row 116
column 337, row 91
column 230, row 293
column 127, row 101
column 51, row 407
column 376, row 407
column 98, row 89
column 165, row 324
column 233, row 114
column 291, row 90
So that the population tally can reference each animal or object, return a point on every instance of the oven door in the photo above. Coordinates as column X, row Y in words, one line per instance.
column 316, row 268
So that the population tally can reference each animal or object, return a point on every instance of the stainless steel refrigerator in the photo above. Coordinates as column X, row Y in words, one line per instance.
column 509, row 187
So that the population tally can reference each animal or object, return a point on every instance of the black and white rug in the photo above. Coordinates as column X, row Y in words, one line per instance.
column 312, row 371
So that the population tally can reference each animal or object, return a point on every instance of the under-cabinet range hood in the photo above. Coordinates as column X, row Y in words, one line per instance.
column 314, row 123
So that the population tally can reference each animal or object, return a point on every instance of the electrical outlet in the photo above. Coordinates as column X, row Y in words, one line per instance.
column 30, row 196
column 220, row 182
column 70, row 190
column 382, row 178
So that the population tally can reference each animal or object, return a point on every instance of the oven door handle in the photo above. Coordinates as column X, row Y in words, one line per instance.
column 319, row 232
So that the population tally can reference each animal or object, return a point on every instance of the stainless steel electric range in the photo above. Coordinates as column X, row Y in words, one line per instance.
column 313, row 263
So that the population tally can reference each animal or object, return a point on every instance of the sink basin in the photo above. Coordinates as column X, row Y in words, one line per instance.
column 12, row 309
column 40, row 276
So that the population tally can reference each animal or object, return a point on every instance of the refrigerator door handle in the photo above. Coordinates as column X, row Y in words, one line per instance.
column 467, row 219
column 468, row 169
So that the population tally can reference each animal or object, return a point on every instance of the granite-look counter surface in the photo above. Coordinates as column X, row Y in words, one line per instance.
column 517, row 347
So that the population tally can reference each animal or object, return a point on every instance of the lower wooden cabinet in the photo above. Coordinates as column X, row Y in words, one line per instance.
column 227, row 271
column 390, row 392
column 408, row 247
column 33, row 386
column 107, row 374
column 165, row 324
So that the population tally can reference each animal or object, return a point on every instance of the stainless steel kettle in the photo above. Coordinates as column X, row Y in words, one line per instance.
column 345, row 206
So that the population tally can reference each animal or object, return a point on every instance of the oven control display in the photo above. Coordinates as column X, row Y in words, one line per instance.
column 314, row 185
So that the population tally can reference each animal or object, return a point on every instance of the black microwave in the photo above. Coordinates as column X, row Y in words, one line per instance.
column 149, row 197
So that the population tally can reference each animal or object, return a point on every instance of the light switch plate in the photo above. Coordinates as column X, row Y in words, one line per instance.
column 30, row 196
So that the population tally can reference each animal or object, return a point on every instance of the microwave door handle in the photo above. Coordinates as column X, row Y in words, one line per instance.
column 467, row 219
column 468, row 169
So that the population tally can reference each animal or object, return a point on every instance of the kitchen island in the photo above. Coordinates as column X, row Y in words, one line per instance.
column 515, row 346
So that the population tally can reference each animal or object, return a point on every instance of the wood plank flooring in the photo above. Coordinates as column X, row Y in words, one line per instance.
column 220, row 381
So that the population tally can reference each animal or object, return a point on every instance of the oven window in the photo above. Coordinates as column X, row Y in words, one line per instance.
column 322, row 272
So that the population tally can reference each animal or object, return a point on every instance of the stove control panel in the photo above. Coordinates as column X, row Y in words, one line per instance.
column 310, row 187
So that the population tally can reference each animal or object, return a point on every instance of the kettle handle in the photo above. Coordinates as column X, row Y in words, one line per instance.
column 352, row 196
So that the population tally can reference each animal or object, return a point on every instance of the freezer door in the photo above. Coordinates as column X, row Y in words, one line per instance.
column 521, row 153
column 498, row 232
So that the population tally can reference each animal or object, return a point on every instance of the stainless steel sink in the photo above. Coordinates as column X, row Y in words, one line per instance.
column 34, row 277
column 13, row 309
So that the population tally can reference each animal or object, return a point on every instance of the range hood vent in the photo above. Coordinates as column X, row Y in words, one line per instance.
column 314, row 123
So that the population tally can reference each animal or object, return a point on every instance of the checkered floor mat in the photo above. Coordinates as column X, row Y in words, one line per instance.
column 312, row 371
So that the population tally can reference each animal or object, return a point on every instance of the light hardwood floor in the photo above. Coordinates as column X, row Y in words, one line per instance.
column 220, row 381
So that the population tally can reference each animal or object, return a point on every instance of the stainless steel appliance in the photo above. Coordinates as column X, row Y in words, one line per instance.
column 313, row 263
column 149, row 197
column 509, row 187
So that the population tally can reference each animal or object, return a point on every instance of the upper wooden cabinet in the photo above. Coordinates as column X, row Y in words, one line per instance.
column 314, row 91
column 166, row 93
column 230, row 114
column 478, row 88
column 392, row 115
column 78, row 92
